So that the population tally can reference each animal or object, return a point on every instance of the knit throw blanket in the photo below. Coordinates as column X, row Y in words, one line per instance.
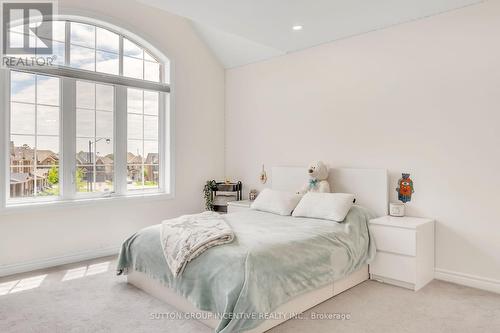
column 186, row 237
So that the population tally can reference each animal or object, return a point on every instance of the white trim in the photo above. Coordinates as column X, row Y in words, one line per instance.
column 120, row 122
column 81, row 74
column 67, row 139
column 93, row 201
column 170, row 138
column 468, row 280
column 29, row 266
column 4, row 142
column 68, row 197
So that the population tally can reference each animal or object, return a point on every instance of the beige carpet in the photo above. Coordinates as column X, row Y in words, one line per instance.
column 88, row 297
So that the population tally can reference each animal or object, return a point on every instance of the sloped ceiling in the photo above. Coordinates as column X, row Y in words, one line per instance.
column 245, row 31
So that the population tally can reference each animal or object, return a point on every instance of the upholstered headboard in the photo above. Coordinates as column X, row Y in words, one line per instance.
column 370, row 186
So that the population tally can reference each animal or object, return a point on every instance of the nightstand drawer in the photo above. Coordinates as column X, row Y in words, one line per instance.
column 395, row 240
column 394, row 266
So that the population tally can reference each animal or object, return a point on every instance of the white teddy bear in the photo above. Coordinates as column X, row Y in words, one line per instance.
column 318, row 181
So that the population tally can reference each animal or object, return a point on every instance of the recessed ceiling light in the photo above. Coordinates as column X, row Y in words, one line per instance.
column 297, row 27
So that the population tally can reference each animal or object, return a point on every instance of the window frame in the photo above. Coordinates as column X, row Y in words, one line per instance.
column 68, row 195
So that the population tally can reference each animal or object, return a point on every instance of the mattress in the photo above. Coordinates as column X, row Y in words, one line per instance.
column 273, row 259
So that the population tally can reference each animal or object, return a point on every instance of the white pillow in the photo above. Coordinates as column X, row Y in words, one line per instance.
column 277, row 202
column 328, row 206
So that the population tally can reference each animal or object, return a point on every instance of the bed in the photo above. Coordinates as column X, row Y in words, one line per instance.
column 278, row 266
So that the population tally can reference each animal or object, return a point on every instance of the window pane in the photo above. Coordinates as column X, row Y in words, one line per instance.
column 47, row 90
column 104, row 178
column 22, row 149
column 47, row 152
column 150, row 127
column 151, row 104
column 47, row 172
column 47, row 181
column 151, row 152
column 104, row 97
column 132, row 67
column 105, row 149
column 82, row 34
column 135, row 152
column 34, row 158
column 149, row 57
column 135, row 126
column 58, row 31
column 166, row 69
column 108, row 63
column 85, row 123
column 21, row 181
column 82, row 58
column 107, row 40
column 83, row 178
column 151, row 71
column 131, row 49
column 151, row 176
column 84, row 151
column 22, row 87
column 47, row 120
column 85, row 95
column 22, row 118
column 94, row 147
column 134, row 101
column 104, row 123
column 135, row 177
column 143, row 145
column 58, row 51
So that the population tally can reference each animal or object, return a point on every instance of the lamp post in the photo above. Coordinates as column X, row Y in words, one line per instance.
column 90, row 178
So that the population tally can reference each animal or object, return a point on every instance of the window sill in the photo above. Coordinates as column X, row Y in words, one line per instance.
column 19, row 208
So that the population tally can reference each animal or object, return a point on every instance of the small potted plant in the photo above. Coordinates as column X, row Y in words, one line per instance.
column 209, row 187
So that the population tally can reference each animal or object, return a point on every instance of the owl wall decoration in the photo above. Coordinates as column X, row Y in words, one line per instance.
column 405, row 188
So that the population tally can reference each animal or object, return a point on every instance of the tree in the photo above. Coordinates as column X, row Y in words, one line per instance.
column 79, row 179
column 53, row 175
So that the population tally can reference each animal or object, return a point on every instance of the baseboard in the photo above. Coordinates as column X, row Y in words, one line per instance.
column 56, row 261
column 468, row 280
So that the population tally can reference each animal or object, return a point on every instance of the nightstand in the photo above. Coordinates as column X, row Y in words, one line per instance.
column 238, row 206
column 405, row 251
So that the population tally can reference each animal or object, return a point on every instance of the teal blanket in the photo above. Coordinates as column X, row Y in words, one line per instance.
column 273, row 259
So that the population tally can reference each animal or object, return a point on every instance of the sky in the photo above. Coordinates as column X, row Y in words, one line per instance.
column 90, row 46
column 96, row 49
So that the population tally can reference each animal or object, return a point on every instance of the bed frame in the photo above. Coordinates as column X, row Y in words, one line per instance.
column 370, row 189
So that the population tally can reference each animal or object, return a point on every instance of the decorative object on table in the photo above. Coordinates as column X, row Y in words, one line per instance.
column 263, row 175
column 396, row 209
column 252, row 195
column 318, row 181
column 405, row 188
column 218, row 194
column 210, row 186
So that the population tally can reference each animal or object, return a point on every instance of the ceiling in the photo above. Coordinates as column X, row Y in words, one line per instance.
column 245, row 31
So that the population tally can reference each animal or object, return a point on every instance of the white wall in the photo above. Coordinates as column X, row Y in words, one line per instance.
column 199, row 104
column 422, row 97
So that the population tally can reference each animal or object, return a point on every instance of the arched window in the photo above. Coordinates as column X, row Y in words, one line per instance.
column 91, row 121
